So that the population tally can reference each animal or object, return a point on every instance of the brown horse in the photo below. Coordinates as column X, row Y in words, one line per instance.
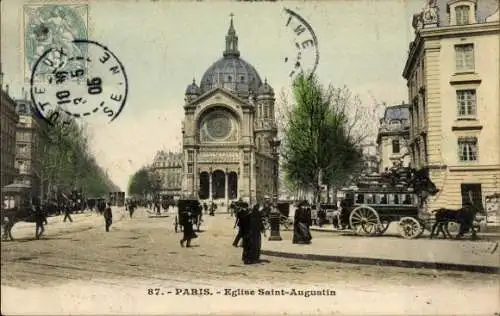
column 25, row 214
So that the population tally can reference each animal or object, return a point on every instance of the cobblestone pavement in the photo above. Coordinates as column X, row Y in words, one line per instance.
column 144, row 251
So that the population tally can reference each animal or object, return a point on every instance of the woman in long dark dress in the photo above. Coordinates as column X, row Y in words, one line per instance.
column 252, row 227
column 302, row 222
column 186, row 220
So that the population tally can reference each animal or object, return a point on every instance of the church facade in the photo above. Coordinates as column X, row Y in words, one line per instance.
column 229, row 120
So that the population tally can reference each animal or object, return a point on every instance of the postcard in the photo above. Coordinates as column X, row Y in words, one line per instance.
column 250, row 157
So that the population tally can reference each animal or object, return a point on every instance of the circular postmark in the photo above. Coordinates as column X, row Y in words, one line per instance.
column 89, row 83
column 306, row 56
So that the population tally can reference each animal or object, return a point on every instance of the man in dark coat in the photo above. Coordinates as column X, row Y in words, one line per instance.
column 40, row 219
column 67, row 212
column 108, row 217
column 131, row 207
column 205, row 207
column 186, row 222
column 240, row 209
column 302, row 222
column 253, row 227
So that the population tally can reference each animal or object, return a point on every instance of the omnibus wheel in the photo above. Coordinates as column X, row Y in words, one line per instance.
column 409, row 228
column 364, row 220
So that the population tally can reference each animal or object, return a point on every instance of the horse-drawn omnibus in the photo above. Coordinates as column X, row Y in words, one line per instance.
column 117, row 198
column 368, row 211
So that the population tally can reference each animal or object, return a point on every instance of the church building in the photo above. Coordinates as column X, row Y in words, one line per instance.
column 229, row 120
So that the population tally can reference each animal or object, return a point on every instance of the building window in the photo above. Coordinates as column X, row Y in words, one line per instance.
column 22, row 148
column 462, row 14
column 395, row 146
column 190, row 168
column 464, row 55
column 471, row 193
column 467, row 149
column 229, row 79
column 466, row 102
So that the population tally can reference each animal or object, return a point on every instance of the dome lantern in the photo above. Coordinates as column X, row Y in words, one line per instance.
column 231, row 41
column 266, row 89
column 193, row 89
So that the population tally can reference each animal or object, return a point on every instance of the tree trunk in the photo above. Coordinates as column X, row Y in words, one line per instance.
column 42, row 191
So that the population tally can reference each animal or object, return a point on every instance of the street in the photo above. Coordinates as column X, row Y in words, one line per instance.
column 77, row 265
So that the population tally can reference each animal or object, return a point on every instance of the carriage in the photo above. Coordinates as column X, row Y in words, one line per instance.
column 285, row 221
column 369, row 211
column 16, row 195
column 192, row 205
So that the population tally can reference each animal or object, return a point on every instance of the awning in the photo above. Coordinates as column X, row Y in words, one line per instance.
column 16, row 188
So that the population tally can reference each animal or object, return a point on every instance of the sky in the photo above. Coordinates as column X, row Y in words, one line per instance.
column 163, row 45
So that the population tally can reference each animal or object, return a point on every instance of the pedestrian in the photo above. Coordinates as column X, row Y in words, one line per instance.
column 186, row 222
column 213, row 207
column 131, row 208
column 302, row 222
column 108, row 217
column 40, row 219
column 67, row 212
column 241, row 209
column 253, row 227
column 205, row 207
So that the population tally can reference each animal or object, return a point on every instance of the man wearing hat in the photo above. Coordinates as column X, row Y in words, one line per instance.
column 186, row 221
column 302, row 222
column 240, row 208
column 108, row 216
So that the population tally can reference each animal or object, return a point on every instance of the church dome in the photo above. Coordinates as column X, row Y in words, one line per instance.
column 231, row 72
column 193, row 89
column 266, row 89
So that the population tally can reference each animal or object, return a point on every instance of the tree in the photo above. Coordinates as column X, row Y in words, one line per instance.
column 321, row 135
column 141, row 182
column 66, row 161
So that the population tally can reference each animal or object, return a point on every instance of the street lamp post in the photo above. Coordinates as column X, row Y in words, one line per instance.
column 274, row 216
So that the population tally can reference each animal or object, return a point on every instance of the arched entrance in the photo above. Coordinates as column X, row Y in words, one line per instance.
column 218, row 184
column 204, row 185
column 232, row 185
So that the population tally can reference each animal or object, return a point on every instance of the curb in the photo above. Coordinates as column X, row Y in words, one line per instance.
column 386, row 262
column 328, row 230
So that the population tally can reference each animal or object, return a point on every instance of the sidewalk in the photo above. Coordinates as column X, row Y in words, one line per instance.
column 56, row 226
column 461, row 255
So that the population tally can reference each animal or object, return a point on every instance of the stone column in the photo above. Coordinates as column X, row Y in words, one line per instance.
column 210, row 185
column 237, row 186
column 226, row 189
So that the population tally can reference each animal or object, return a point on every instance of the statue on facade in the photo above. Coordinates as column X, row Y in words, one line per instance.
column 431, row 12
column 418, row 22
